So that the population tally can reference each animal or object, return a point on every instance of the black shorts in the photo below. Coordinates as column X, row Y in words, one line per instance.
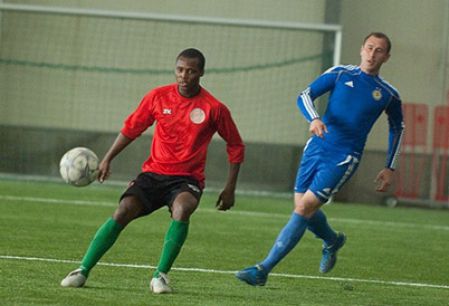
column 157, row 190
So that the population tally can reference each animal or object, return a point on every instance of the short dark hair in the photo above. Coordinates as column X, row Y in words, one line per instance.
column 380, row 35
column 193, row 53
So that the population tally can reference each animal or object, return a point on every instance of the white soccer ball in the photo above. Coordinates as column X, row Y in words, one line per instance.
column 79, row 166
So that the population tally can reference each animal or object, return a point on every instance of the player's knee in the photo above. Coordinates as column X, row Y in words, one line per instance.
column 306, row 209
column 181, row 212
column 306, row 205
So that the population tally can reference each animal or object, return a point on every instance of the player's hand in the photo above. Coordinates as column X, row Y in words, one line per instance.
column 104, row 171
column 318, row 128
column 384, row 179
column 225, row 200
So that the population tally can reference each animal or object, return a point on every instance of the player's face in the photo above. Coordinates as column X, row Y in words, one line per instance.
column 188, row 74
column 373, row 54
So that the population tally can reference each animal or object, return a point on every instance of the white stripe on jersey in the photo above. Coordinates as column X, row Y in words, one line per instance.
column 346, row 67
column 308, row 104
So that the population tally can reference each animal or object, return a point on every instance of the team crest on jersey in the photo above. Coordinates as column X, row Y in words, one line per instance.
column 197, row 115
column 377, row 94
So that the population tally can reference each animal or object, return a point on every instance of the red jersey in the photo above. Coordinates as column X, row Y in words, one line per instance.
column 184, row 129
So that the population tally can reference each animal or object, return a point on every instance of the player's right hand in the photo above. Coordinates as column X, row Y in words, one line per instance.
column 104, row 171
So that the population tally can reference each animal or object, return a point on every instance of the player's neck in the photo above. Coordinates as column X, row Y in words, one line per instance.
column 371, row 72
column 189, row 92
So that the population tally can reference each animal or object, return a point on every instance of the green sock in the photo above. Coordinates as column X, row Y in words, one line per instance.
column 104, row 238
column 174, row 239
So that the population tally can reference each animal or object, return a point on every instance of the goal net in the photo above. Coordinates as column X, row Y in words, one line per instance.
column 87, row 70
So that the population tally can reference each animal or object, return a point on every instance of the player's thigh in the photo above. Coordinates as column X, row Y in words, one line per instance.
column 148, row 190
column 332, row 174
column 184, row 205
column 183, row 197
column 130, row 208
column 308, row 167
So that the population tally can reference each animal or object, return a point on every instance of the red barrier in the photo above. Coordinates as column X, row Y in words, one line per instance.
column 441, row 153
column 414, row 142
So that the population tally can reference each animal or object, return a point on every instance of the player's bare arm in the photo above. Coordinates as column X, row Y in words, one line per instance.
column 226, row 198
column 104, row 169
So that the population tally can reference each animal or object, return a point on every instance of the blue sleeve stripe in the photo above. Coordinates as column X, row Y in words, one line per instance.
column 308, row 104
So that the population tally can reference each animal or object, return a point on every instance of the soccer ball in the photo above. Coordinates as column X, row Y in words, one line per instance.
column 79, row 167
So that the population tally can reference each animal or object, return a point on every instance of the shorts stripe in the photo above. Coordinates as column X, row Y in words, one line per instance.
column 353, row 161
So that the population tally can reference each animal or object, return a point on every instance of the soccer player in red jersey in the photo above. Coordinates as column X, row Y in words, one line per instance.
column 187, row 117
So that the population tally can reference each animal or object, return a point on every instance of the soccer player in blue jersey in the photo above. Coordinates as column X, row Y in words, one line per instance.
column 358, row 96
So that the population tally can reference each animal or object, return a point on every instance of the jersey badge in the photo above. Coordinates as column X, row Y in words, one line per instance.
column 166, row 111
column 197, row 115
column 349, row 84
column 377, row 94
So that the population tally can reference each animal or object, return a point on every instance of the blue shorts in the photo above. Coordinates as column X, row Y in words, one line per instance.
column 324, row 171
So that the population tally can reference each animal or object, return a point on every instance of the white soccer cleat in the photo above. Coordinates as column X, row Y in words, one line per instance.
column 160, row 284
column 74, row 279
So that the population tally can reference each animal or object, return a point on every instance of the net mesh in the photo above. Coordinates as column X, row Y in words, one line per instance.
column 88, row 73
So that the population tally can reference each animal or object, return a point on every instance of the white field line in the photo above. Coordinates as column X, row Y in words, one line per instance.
column 57, row 201
column 347, row 281
column 109, row 182
column 236, row 212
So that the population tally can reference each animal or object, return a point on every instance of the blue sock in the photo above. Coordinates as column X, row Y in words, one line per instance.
column 319, row 226
column 288, row 238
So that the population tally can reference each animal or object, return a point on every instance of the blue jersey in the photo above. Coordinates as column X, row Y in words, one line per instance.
column 355, row 103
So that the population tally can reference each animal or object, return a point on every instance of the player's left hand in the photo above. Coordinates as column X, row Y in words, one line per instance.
column 384, row 179
column 225, row 200
column 318, row 128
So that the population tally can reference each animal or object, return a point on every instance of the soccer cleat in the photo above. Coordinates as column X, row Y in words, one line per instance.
column 330, row 253
column 160, row 284
column 254, row 276
column 74, row 279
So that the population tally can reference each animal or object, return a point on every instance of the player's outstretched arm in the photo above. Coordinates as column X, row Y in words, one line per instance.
column 226, row 198
column 104, row 169
column 384, row 179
